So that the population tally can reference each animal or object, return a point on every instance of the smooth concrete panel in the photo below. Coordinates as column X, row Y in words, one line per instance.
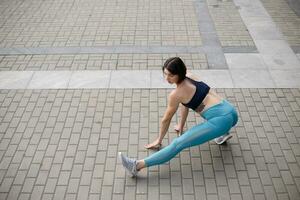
column 282, row 61
column 244, row 61
column 215, row 78
column 251, row 12
column 90, row 79
column 273, row 47
column 130, row 79
column 286, row 79
column 251, row 8
column 15, row 79
column 50, row 79
column 264, row 30
column 252, row 78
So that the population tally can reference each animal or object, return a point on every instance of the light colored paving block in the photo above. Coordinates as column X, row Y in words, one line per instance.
column 251, row 8
column 263, row 29
column 244, row 61
column 273, row 47
column 282, row 61
column 15, row 80
column 233, row 78
column 252, row 78
column 50, row 79
column 90, row 79
column 130, row 79
column 286, row 79
column 215, row 78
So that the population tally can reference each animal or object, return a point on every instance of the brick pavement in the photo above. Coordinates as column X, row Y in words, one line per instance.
column 96, row 61
column 98, row 23
column 148, row 23
column 229, row 25
column 285, row 18
column 63, row 144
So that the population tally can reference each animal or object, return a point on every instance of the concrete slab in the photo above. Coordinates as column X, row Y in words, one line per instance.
column 273, row 47
column 50, row 79
column 90, row 79
column 246, row 78
column 251, row 9
column 245, row 61
column 286, row 79
column 215, row 78
column 263, row 29
column 15, row 80
column 130, row 79
column 282, row 61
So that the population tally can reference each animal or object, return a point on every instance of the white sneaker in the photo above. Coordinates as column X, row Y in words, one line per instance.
column 222, row 139
column 129, row 164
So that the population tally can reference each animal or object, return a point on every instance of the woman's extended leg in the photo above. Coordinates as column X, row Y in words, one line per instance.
column 194, row 136
column 199, row 134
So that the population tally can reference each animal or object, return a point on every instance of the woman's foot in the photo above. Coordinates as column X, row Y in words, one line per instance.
column 130, row 165
column 222, row 139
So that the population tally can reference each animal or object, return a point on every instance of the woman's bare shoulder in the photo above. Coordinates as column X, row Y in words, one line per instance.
column 174, row 96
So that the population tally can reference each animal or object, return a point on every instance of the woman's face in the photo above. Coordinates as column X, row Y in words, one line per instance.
column 171, row 78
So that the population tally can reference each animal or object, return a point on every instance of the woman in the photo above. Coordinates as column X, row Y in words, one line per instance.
column 220, row 117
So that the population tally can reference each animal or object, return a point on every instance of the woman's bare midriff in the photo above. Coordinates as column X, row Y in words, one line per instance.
column 211, row 99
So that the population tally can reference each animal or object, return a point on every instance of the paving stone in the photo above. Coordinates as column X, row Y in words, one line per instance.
column 233, row 186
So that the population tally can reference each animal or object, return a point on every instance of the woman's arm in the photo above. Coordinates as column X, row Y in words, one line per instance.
column 184, row 111
column 173, row 104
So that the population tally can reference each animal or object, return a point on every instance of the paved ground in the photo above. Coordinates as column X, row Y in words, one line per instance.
column 81, row 80
column 62, row 144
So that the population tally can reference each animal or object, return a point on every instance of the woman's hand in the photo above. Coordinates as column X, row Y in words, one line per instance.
column 154, row 145
column 178, row 129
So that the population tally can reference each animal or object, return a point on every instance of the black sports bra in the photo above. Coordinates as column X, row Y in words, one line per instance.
column 202, row 90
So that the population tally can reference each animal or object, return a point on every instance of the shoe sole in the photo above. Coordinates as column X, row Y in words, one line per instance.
column 128, row 172
column 226, row 138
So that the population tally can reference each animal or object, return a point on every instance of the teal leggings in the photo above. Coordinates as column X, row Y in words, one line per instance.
column 220, row 118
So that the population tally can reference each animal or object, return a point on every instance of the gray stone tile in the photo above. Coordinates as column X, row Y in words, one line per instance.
column 282, row 62
column 15, row 80
column 90, row 79
column 245, row 61
column 215, row 78
column 247, row 8
column 264, row 30
column 273, row 47
column 286, row 79
column 252, row 78
column 52, row 79
column 130, row 79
